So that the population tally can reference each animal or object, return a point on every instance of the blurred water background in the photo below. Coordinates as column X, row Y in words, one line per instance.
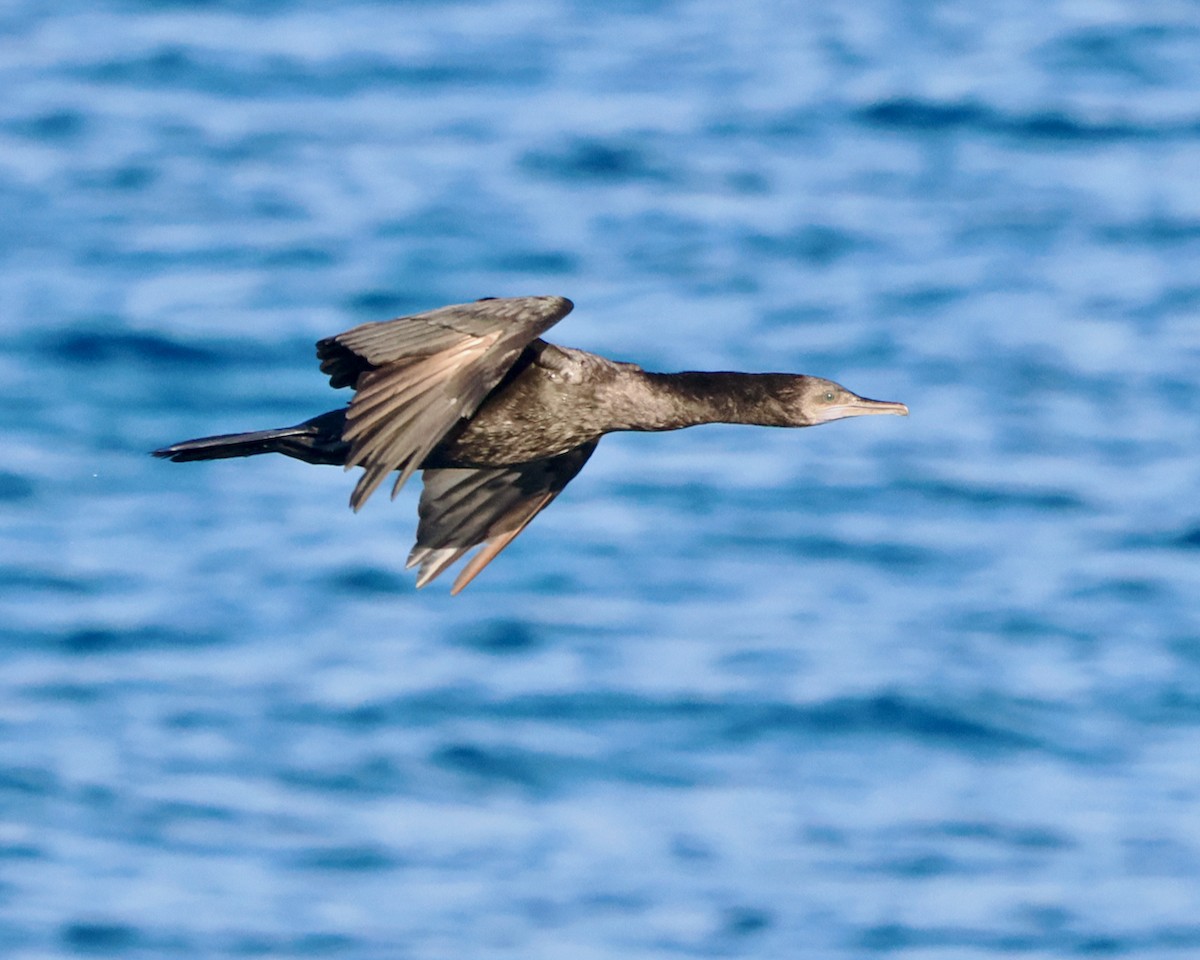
column 923, row 688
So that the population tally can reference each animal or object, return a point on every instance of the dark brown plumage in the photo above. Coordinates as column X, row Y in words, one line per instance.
column 499, row 421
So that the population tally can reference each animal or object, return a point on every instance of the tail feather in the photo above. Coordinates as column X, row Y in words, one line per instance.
column 318, row 440
column 228, row 445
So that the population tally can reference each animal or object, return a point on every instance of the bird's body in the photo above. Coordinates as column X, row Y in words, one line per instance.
column 499, row 420
column 551, row 401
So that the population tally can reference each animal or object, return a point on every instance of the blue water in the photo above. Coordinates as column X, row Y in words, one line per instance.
column 924, row 688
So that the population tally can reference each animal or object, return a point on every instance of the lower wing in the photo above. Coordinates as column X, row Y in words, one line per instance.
column 463, row 508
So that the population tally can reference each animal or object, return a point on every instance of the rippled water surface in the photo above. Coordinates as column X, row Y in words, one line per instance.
column 923, row 688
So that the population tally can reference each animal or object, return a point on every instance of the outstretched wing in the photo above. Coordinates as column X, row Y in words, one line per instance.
column 462, row 508
column 416, row 377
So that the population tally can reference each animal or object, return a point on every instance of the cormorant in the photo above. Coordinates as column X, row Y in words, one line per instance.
column 499, row 421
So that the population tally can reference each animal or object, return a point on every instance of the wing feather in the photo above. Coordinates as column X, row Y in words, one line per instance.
column 415, row 378
column 463, row 508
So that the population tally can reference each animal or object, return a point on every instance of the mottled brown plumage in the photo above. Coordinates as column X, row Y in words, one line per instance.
column 499, row 421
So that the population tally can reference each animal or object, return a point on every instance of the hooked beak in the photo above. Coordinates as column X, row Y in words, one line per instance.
column 861, row 407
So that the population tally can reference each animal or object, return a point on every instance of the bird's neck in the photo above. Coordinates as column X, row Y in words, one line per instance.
column 671, row 401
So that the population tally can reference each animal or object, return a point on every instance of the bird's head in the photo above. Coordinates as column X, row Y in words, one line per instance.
column 812, row 400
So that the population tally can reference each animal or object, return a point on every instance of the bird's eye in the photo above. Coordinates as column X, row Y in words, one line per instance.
column 829, row 396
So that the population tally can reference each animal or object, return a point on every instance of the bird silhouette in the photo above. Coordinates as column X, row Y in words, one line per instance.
column 499, row 421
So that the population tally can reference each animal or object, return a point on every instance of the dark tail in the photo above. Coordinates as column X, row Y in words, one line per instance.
column 318, row 440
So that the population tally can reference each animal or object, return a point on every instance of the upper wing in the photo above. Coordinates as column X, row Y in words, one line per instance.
column 416, row 377
column 461, row 508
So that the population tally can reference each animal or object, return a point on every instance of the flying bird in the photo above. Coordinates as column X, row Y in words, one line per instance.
column 499, row 421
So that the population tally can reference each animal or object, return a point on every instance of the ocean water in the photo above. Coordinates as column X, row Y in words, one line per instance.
column 924, row 688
